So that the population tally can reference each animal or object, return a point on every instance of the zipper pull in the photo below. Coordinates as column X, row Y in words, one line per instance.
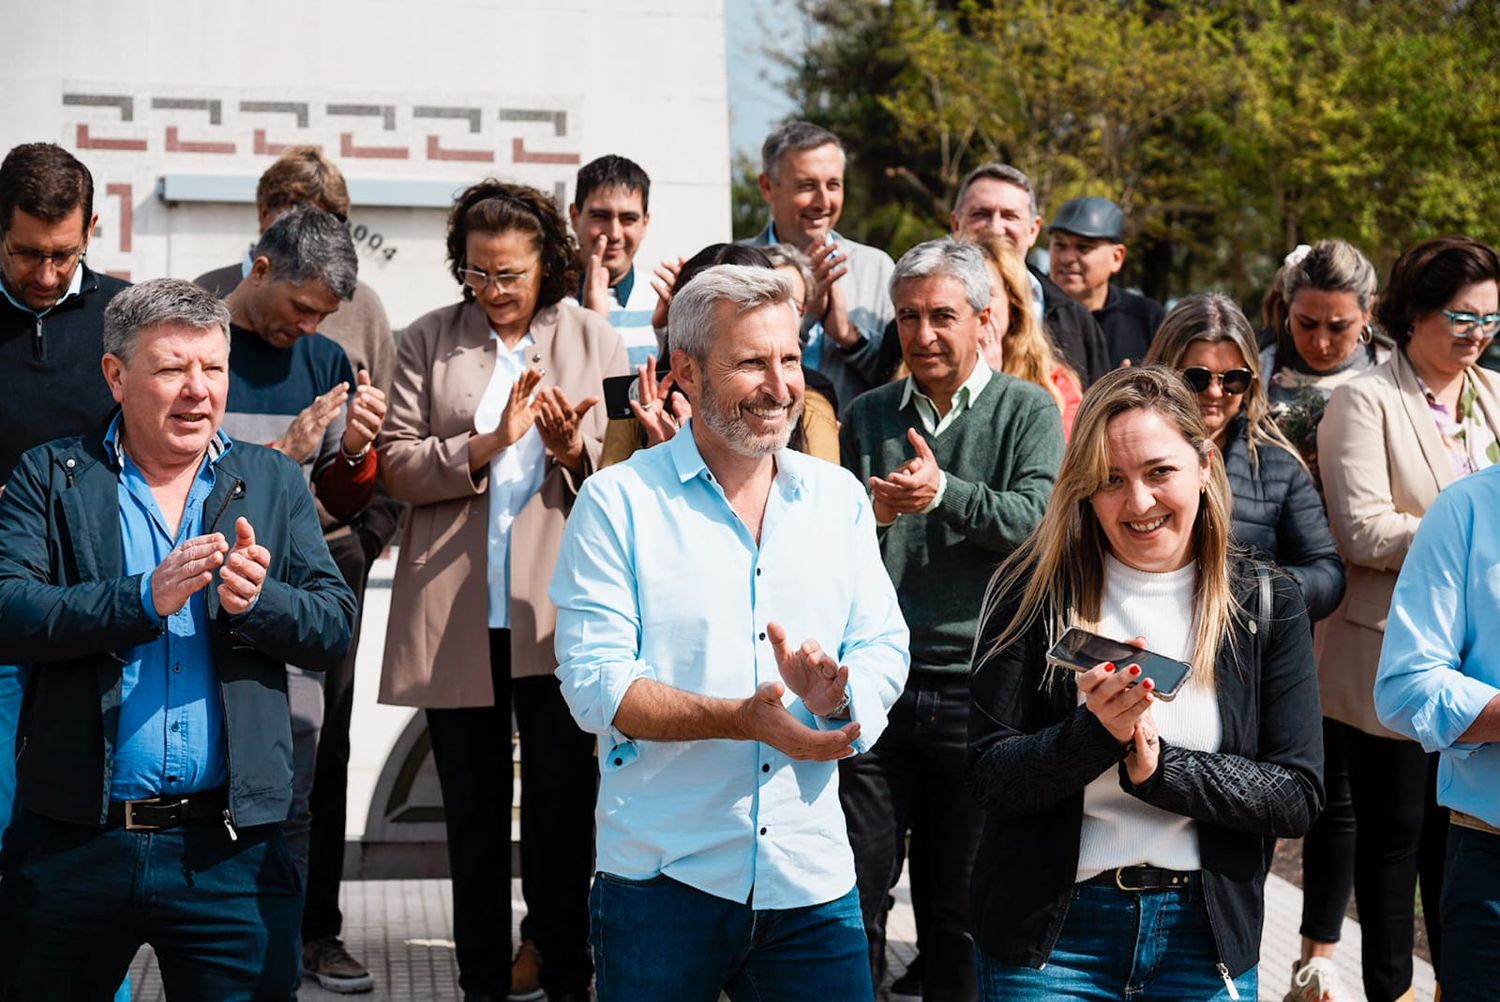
column 234, row 836
column 39, row 342
column 1234, row 993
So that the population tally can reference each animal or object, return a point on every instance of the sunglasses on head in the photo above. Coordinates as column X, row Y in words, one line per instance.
column 1233, row 381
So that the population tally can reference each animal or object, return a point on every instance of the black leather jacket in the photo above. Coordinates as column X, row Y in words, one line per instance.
column 1033, row 749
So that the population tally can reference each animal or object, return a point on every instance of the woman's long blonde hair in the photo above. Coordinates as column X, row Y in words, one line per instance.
column 1214, row 317
column 1026, row 349
column 1059, row 571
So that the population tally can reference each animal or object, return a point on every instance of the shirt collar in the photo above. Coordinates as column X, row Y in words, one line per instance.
column 526, row 342
column 75, row 287
column 114, row 449
column 624, row 287
column 967, row 393
column 683, row 448
column 772, row 237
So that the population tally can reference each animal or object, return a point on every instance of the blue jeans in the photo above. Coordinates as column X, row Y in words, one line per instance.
column 661, row 939
column 12, row 688
column 1471, row 917
column 1123, row 945
column 77, row 901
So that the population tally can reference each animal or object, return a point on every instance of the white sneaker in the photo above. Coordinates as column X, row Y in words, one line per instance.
column 1316, row 981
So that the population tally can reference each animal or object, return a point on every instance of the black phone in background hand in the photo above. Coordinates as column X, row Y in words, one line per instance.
column 1079, row 650
column 618, row 392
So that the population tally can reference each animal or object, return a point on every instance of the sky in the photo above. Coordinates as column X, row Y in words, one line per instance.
column 755, row 99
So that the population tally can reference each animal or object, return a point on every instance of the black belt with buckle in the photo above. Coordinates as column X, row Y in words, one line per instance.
column 156, row 813
column 1143, row 878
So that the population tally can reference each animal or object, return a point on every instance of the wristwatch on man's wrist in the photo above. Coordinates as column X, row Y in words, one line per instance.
column 356, row 458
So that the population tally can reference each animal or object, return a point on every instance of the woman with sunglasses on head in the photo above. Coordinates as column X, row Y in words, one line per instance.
column 1277, row 510
column 1318, row 324
column 493, row 426
column 1390, row 440
column 1126, row 837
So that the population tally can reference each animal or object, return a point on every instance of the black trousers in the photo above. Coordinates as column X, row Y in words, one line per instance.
column 1328, row 848
column 471, row 749
column 330, row 791
column 1400, row 834
column 914, row 779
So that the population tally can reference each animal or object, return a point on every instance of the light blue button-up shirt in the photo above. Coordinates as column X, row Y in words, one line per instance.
column 658, row 578
column 1440, row 664
column 171, row 733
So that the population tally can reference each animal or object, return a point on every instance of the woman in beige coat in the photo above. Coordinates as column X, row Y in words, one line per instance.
column 1390, row 440
column 491, row 430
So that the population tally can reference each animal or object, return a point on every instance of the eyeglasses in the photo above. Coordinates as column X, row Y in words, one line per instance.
column 505, row 281
column 1469, row 324
column 1233, row 381
column 33, row 260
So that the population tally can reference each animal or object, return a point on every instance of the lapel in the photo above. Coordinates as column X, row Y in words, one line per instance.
column 1420, row 416
column 473, row 351
column 1485, row 395
column 544, row 327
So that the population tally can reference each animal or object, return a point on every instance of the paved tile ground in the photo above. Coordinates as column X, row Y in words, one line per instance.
column 403, row 930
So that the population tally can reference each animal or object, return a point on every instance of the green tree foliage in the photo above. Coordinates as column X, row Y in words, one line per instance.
column 1228, row 130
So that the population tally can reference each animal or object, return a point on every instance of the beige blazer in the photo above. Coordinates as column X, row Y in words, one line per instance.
column 1383, row 463
column 437, row 638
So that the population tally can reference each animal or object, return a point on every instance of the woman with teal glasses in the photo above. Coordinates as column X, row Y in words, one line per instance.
column 1390, row 440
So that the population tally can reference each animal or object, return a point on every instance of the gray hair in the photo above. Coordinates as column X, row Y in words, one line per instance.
column 1005, row 174
column 787, row 256
column 155, row 303
column 790, row 138
column 1330, row 266
column 306, row 242
column 690, row 319
column 948, row 257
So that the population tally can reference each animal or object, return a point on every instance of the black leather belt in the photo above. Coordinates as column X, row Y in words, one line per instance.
column 156, row 813
column 1144, row 878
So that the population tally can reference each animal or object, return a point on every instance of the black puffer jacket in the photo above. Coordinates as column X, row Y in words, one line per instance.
column 1033, row 748
column 1279, row 516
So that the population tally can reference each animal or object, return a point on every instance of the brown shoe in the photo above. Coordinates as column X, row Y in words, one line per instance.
column 525, row 974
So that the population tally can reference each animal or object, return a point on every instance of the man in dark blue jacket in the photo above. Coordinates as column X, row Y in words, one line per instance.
column 157, row 577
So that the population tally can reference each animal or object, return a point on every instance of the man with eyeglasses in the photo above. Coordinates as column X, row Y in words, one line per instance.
column 52, row 313
column 51, row 340
column 303, row 175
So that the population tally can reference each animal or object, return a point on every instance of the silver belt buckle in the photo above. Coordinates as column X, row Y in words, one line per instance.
column 130, row 824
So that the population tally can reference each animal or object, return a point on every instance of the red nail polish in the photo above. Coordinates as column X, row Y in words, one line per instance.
column 1135, row 670
column 1109, row 666
column 1148, row 684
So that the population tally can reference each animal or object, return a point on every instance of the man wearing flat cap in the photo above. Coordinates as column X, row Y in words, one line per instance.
column 1088, row 248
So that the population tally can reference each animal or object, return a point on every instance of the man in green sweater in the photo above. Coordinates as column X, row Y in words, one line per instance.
column 960, row 461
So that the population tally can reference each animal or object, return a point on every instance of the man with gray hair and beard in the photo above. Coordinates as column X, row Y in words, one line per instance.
column 960, row 462
column 726, row 680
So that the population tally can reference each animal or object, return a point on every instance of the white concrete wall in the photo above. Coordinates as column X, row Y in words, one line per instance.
column 641, row 78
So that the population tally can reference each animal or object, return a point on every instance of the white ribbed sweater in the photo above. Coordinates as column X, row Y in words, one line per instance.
column 1118, row 829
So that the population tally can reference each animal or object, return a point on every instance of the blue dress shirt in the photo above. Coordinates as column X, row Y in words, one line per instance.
column 1440, row 663
column 171, row 731
column 658, row 578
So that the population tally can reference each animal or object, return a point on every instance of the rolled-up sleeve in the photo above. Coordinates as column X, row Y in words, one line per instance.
column 1421, row 688
column 876, row 644
column 598, row 639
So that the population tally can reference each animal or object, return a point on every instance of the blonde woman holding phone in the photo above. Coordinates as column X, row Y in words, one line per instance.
column 1126, row 838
